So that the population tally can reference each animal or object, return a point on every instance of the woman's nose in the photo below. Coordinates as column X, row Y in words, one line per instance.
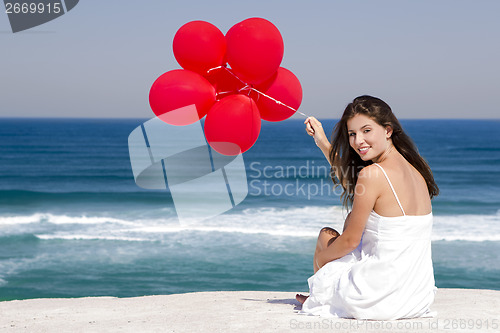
column 359, row 140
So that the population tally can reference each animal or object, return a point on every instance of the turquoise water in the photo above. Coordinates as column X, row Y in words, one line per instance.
column 73, row 222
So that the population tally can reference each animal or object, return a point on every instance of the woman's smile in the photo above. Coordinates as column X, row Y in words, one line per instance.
column 363, row 150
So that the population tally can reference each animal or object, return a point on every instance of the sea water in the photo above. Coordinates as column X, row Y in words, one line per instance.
column 74, row 223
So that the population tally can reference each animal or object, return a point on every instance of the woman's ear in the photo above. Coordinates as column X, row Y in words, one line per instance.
column 388, row 131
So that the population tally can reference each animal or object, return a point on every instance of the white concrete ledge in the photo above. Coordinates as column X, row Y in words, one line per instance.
column 464, row 310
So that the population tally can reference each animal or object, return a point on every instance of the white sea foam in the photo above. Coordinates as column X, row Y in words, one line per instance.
column 61, row 219
column 294, row 222
column 91, row 237
column 35, row 218
column 291, row 222
column 475, row 228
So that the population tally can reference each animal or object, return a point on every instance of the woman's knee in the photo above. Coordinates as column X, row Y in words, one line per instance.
column 326, row 236
column 329, row 231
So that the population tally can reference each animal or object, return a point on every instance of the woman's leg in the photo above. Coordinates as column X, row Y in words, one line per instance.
column 326, row 237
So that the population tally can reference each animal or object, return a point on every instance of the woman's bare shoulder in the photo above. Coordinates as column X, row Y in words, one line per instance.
column 370, row 171
column 371, row 174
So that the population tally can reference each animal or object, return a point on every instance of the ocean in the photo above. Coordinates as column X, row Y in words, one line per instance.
column 74, row 223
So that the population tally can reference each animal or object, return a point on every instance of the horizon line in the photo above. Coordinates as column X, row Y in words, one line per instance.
column 140, row 118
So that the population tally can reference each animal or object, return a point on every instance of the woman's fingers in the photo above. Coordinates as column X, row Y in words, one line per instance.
column 315, row 129
column 315, row 122
column 309, row 119
column 312, row 124
column 309, row 129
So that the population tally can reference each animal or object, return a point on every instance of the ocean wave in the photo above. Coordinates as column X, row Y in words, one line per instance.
column 90, row 237
column 467, row 227
column 61, row 219
column 287, row 222
column 239, row 230
column 65, row 195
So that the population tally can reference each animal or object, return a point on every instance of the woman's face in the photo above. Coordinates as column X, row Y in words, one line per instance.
column 367, row 138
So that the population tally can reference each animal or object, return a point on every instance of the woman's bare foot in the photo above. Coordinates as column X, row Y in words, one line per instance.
column 301, row 298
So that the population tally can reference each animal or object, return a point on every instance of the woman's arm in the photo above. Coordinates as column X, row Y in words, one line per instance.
column 366, row 193
column 315, row 129
column 346, row 222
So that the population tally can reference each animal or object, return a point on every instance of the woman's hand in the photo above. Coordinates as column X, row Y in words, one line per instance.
column 315, row 129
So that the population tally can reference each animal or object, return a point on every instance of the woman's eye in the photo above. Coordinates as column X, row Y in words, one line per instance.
column 366, row 131
column 352, row 134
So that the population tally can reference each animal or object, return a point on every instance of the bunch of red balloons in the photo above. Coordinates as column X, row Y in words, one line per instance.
column 235, row 80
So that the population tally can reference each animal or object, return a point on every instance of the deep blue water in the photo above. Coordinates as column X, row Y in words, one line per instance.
column 74, row 223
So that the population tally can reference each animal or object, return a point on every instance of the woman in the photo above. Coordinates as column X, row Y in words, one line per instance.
column 380, row 267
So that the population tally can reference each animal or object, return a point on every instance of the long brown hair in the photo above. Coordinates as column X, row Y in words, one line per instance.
column 346, row 163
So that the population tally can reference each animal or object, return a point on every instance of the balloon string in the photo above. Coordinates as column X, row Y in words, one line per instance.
column 273, row 99
column 253, row 89
column 225, row 92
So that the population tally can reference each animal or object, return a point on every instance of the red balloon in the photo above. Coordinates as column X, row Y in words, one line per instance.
column 199, row 46
column 232, row 125
column 284, row 87
column 177, row 89
column 224, row 82
column 254, row 49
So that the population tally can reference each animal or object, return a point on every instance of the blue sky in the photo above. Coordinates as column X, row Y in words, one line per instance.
column 427, row 59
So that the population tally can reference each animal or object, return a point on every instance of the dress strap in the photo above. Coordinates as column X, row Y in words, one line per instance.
column 392, row 188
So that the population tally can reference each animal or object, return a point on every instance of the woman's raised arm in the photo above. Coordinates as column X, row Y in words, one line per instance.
column 315, row 129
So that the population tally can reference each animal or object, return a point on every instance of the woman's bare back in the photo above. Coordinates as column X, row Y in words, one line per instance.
column 410, row 188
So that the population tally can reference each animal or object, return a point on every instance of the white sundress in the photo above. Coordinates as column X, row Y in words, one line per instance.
column 388, row 276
